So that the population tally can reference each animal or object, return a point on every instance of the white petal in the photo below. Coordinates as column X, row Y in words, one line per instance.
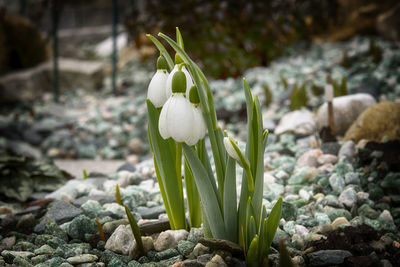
column 162, row 122
column 189, row 81
column 180, row 118
column 156, row 91
column 168, row 88
column 229, row 148
column 198, row 131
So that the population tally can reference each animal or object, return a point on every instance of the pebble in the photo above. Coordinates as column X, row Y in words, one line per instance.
column 216, row 261
column 309, row 158
column 386, row 216
column 200, row 249
column 347, row 150
column 327, row 159
column 147, row 246
column 328, row 257
column 340, row 222
column 121, row 240
column 165, row 241
column 352, row 178
column 84, row 258
column 348, row 197
column 336, row 182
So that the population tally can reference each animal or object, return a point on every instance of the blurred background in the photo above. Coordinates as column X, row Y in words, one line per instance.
column 74, row 73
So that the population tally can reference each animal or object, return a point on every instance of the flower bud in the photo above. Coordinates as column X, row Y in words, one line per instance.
column 179, row 82
column 228, row 143
column 162, row 63
column 178, row 59
column 193, row 95
column 156, row 90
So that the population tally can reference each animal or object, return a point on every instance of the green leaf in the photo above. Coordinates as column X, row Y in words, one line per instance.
column 208, row 198
column 167, row 169
column 85, row 175
column 163, row 51
column 272, row 223
column 230, row 201
column 284, row 256
column 193, row 198
column 252, row 254
column 118, row 195
column 179, row 38
column 135, row 230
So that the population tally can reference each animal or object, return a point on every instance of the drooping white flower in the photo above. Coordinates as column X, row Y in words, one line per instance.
column 199, row 127
column 229, row 143
column 156, row 90
column 176, row 118
column 189, row 81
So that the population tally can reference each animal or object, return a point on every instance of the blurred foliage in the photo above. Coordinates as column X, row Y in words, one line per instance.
column 232, row 36
column 298, row 97
column 268, row 95
column 338, row 89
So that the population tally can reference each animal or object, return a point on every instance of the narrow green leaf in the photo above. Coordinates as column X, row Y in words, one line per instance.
column 252, row 257
column 208, row 198
column 272, row 223
column 85, row 175
column 252, row 228
column 193, row 198
column 163, row 51
column 230, row 201
column 118, row 195
column 135, row 230
column 179, row 38
column 284, row 256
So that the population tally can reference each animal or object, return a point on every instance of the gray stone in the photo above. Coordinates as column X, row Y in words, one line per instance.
column 289, row 211
column 345, row 110
column 299, row 122
column 352, row 178
column 45, row 249
column 200, row 249
column 336, row 182
column 76, row 186
column 165, row 241
column 185, row 247
column 109, row 227
column 216, row 261
column 347, row 150
column 121, row 240
column 309, row 158
column 195, row 234
column 328, row 257
column 148, row 245
column 102, row 199
column 330, row 148
column 150, row 213
column 84, row 258
column 348, row 197
column 80, row 226
column 53, row 214
column 9, row 255
column 92, row 208
column 327, row 159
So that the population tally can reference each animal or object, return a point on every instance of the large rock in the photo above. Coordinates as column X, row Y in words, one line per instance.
column 30, row 83
column 299, row 122
column 346, row 109
column 374, row 123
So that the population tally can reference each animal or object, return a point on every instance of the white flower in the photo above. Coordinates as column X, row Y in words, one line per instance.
column 156, row 90
column 199, row 127
column 229, row 143
column 176, row 118
column 189, row 82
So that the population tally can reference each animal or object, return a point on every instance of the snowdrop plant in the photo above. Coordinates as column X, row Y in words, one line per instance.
column 246, row 222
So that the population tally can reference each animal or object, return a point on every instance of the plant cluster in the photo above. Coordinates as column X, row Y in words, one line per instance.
column 176, row 133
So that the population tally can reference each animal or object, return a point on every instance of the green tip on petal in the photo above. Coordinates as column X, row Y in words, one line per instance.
column 179, row 82
column 193, row 95
column 162, row 63
column 178, row 59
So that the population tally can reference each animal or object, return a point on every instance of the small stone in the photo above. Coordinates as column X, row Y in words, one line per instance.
column 21, row 262
column 335, row 213
column 336, row 182
column 282, row 175
column 216, row 261
column 165, row 241
column 92, row 208
column 109, row 227
column 352, row 178
column 309, row 158
column 166, row 254
column 322, row 218
column 200, row 249
column 348, row 197
column 7, row 243
column 80, row 226
column 328, row 257
column 347, row 150
column 121, row 240
column 9, row 255
column 195, row 234
column 327, row 159
column 148, row 245
column 362, row 197
column 185, row 247
column 366, row 211
column 289, row 227
column 331, row 148
column 84, row 258
column 136, row 145
column 45, row 249
column 289, row 211
column 304, row 194
column 340, row 222
column 386, row 216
